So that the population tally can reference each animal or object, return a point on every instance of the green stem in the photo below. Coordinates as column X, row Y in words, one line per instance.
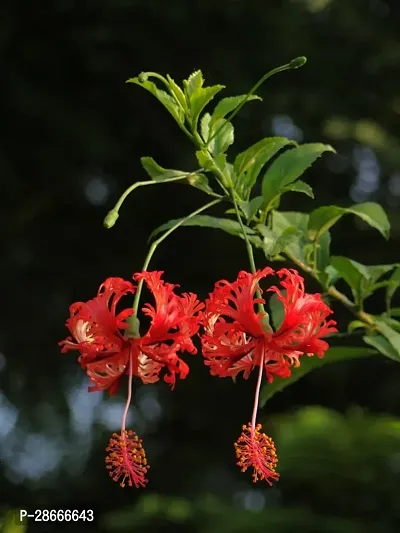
column 113, row 214
column 257, row 396
column 155, row 75
column 158, row 241
column 267, row 210
column 263, row 218
column 261, row 308
column 197, row 138
column 245, row 236
column 315, row 256
column 276, row 70
column 185, row 130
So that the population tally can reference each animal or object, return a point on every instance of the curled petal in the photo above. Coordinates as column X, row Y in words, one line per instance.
column 276, row 365
column 148, row 370
column 174, row 321
column 93, row 325
column 165, row 315
column 113, row 289
column 97, row 333
column 226, row 350
column 256, row 450
column 167, row 358
column 245, row 365
column 190, row 311
column 304, row 320
column 190, row 305
column 126, row 459
column 237, row 300
column 105, row 372
column 177, row 368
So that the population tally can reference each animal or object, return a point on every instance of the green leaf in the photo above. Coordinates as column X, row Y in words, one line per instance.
column 277, row 310
column 245, row 207
column 387, row 341
column 248, row 164
column 390, row 321
column 157, row 172
column 323, row 251
column 360, row 278
column 254, row 205
column 177, row 93
column 281, row 221
column 199, row 99
column 220, row 132
column 352, row 272
column 205, row 221
column 200, row 181
column 275, row 243
column 205, row 127
column 300, row 186
column 227, row 105
column 356, row 324
column 288, row 167
column 225, row 169
column 394, row 284
column 257, row 155
column 392, row 336
column 224, row 136
column 168, row 101
column 218, row 164
column 322, row 218
column 205, row 160
column 377, row 271
column 307, row 364
column 331, row 275
column 382, row 345
column 325, row 272
column 194, row 82
column 286, row 219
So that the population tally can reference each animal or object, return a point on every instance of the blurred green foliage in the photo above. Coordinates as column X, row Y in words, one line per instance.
column 9, row 522
column 328, row 463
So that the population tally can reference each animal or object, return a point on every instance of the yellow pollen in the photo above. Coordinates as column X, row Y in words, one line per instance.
column 257, row 450
column 126, row 459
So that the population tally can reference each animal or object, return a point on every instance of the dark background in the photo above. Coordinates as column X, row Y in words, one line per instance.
column 71, row 137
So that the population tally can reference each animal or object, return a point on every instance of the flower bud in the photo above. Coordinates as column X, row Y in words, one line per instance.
column 142, row 77
column 298, row 62
column 110, row 219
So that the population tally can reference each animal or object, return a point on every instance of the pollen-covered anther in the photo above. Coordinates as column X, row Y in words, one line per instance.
column 257, row 450
column 126, row 459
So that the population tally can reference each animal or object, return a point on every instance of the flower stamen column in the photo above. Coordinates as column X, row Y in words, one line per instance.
column 126, row 457
column 255, row 449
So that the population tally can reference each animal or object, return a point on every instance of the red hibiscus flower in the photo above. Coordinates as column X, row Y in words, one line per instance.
column 97, row 332
column 108, row 351
column 237, row 339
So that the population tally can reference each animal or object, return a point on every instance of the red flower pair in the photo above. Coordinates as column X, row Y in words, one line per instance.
column 235, row 339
